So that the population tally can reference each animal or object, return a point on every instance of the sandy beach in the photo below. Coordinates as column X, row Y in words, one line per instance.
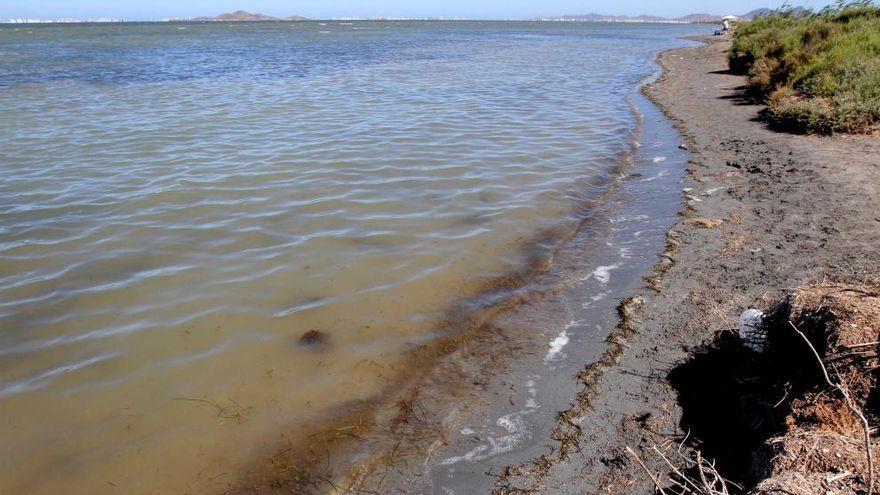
column 487, row 257
column 765, row 212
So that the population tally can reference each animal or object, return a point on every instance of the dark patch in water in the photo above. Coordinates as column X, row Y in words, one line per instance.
column 313, row 339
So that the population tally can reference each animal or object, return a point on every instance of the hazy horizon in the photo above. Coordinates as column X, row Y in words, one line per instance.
column 136, row 10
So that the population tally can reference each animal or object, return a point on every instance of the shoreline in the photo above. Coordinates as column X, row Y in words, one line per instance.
column 595, row 260
column 410, row 418
column 765, row 212
column 442, row 450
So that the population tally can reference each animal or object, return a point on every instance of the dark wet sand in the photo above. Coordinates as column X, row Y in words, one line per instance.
column 767, row 212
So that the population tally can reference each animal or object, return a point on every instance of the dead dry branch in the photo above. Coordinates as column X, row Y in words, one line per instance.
column 690, row 474
column 840, row 386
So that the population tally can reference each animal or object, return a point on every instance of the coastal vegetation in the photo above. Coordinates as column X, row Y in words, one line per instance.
column 818, row 72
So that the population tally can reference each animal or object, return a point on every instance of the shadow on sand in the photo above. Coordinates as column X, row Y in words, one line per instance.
column 734, row 399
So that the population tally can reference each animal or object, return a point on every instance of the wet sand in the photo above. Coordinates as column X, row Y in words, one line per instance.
column 765, row 212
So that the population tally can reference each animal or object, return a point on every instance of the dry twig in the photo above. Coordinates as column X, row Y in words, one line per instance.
column 647, row 471
column 850, row 402
column 706, row 481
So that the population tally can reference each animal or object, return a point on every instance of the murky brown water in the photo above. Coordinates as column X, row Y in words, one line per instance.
column 179, row 204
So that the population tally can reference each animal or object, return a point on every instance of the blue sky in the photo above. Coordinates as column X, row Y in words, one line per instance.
column 477, row 9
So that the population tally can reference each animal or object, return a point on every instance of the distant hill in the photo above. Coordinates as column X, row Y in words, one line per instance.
column 593, row 17
column 756, row 13
column 796, row 11
column 692, row 18
column 700, row 18
column 241, row 15
column 640, row 18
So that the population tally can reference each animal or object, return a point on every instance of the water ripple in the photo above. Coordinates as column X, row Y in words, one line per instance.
column 178, row 207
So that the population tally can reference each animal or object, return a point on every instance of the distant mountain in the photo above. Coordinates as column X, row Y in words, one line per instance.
column 241, row 15
column 692, row 18
column 756, row 13
column 700, row 18
column 796, row 11
column 640, row 18
column 593, row 17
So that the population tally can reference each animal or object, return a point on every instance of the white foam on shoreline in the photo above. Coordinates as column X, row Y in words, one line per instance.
column 559, row 342
column 655, row 177
column 556, row 345
column 658, row 159
column 602, row 274
column 514, row 424
column 593, row 299
column 627, row 218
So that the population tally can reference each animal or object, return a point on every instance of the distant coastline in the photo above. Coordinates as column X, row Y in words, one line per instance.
column 688, row 19
column 244, row 16
column 63, row 20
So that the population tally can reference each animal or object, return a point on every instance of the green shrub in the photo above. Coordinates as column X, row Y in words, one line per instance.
column 818, row 72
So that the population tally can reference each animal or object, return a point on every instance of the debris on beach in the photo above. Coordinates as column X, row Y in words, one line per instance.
column 796, row 417
column 751, row 329
column 828, row 446
column 706, row 223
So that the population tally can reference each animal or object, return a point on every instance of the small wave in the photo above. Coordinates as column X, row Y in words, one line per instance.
column 629, row 218
column 43, row 379
column 306, row 305
column 594, row 299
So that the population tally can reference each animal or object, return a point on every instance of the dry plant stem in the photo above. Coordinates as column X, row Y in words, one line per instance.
column 866, row 344
column 675, row 469
column 647, row 471
column 866, row 428
column 706, row 481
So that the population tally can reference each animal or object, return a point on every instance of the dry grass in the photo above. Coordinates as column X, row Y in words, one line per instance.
column 844, row 391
